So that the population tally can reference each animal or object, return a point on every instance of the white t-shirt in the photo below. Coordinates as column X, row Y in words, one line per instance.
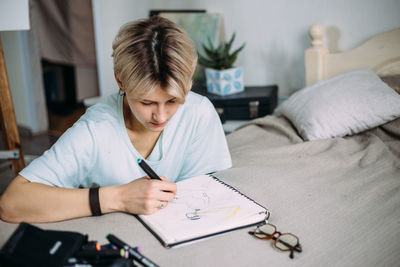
column 97, row 150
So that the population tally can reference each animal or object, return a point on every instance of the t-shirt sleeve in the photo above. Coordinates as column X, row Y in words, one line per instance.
column 208, row 150
column 68, row 162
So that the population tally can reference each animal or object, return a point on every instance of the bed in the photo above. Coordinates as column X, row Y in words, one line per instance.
column 340, row 195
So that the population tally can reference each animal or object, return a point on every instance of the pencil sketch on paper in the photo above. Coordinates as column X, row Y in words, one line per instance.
column 199, row 204
column 194, row 201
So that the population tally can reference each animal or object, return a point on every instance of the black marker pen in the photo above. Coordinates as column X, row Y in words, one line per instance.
column 135, row 254
column 146, row 168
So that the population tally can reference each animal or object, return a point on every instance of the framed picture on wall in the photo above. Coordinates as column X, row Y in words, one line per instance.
column 154, row 12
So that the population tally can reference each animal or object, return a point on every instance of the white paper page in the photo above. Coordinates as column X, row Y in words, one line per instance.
column 202, row 206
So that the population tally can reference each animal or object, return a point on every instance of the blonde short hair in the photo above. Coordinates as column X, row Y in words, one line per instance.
column 154, row 52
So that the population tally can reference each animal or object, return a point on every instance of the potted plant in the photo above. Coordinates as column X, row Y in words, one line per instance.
column 222, row 78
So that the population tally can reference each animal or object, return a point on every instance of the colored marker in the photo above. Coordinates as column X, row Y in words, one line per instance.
column 135, row 254
column 146, row 168
column 94, row 254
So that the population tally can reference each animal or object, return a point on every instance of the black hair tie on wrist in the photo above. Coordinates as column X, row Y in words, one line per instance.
column 94, row 201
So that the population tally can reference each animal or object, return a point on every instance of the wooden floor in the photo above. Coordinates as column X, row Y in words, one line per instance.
column 58, row 124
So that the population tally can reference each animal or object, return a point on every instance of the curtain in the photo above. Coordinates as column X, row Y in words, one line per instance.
column 66, row 33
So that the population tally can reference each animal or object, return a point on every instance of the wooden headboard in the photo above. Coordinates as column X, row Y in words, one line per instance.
column 381, row 53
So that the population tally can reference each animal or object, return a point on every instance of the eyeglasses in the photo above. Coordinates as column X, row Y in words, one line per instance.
column 283, row 242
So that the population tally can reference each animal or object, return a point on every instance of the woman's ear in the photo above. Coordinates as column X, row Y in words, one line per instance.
column 121, row 87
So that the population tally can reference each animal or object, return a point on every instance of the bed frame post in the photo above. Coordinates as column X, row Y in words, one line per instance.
column 314, row 56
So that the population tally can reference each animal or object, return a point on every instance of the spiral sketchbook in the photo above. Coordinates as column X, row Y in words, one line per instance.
column 204, row 206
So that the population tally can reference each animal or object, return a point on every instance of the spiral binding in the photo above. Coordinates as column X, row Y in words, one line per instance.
column 267, row 213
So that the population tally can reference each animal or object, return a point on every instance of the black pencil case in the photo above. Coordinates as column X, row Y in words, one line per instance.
column 32, row 246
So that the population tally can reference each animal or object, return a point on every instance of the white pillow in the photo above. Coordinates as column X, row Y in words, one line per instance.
column 346, row 104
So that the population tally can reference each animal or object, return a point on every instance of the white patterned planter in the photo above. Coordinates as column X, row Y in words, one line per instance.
column 225, row 82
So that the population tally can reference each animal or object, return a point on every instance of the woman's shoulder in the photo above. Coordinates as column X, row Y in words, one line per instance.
column 196, row 108
column 108, row 109
column 199, row 106
column 196, row 101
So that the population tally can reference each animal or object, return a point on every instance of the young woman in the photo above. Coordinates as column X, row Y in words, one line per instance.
column 92, row 169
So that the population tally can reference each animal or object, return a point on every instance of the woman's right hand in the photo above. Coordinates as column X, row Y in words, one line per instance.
column 44, row 203
column 145, row 195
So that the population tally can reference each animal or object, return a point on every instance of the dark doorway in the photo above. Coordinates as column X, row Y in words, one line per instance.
column 60, row 89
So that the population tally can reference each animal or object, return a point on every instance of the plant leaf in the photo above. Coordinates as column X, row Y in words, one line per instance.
column 206, row 62
column 219, row 57
column 229, row 45
column 238, row 50
column 209, row 52
column 210, row 43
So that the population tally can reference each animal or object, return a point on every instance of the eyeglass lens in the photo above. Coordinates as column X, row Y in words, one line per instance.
column 283, row 242
column 286, row 242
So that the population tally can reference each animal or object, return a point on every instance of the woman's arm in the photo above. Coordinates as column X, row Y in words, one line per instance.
column 35, row 202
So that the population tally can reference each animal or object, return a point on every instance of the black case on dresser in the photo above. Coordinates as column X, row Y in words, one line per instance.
column 254, row 102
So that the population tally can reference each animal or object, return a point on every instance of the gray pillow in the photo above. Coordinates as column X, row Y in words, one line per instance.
column 346, row 104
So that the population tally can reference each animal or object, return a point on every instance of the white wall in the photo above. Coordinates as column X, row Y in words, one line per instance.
column 21, row 54
column 275, row 31
column 25, row 79
column 14, row 15
column 109, row 16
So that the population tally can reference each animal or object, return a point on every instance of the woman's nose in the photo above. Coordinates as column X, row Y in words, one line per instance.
column 160, row 114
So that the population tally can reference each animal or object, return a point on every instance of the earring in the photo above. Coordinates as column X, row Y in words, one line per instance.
column 122, row 93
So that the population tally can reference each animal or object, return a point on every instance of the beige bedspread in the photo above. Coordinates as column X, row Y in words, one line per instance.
column 340, row 196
